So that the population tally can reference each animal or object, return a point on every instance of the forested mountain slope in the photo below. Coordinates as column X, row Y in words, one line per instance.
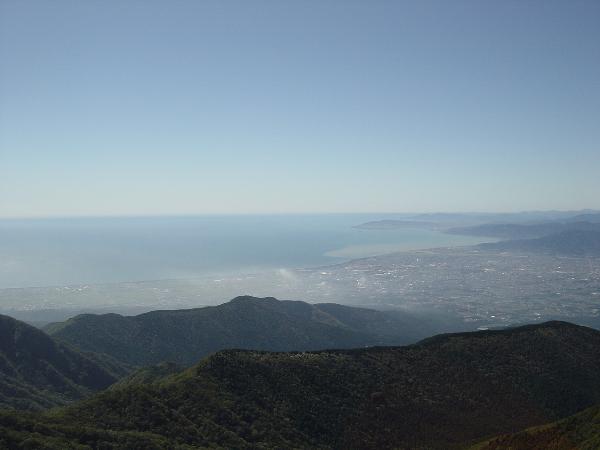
column 446, row 392
column 36, row 372
column 185, row 336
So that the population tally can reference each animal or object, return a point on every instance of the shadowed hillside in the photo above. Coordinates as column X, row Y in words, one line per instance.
column 185, row 336
column 150, row 374
column 446, row 392
column 581, row 432
column 36, row 372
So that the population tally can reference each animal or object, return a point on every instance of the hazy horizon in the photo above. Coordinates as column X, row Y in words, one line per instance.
column 384, row 214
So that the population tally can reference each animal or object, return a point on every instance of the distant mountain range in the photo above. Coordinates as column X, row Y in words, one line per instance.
column 445, row 392
column 185, row 336
column 522, row 231
column 568, row 243
column 588, row 217
column 36, row 372
column 571, row 237
column 515, row 217
column 468, row 224
column 390, row 224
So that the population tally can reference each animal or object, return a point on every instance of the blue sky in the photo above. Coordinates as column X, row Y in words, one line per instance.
column 183, row 107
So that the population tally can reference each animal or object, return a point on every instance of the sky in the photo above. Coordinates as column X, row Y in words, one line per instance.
column 145, row 107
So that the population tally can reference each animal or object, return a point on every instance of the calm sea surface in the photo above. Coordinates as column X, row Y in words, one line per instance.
column 53, row 252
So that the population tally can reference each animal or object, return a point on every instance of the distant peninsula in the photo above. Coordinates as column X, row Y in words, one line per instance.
column 390, row 224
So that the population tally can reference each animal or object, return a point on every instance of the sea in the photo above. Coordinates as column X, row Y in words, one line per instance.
column 72, row 251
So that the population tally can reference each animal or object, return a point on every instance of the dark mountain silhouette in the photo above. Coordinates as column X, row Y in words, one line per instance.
column 36, row 372
column 185, row 336
column 445, row 392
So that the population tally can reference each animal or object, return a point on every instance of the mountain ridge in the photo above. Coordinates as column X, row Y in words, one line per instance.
column 185, row 336
column 566, row 243
column 38, row 373
column 524, row 231
column 442, row 393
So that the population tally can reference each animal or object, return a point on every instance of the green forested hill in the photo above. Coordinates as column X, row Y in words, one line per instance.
column 446, row 392
column 149, row 374
column 578, row 432
column 36, row 372
column 185, row 336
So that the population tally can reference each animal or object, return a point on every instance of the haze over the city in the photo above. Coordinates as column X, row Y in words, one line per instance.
column 148, row 108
